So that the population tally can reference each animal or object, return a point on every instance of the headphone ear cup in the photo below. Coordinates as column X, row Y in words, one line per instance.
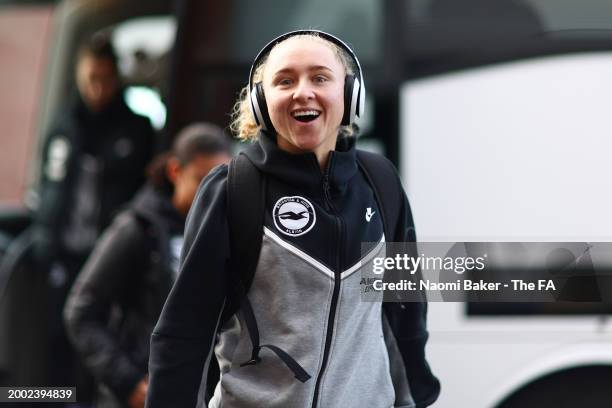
column 265, row 122
column 255, row 106
column 260, row 108
column 349, row 90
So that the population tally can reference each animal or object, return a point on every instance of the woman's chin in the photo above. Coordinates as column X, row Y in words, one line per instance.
column 309, row 145
column 299, row 144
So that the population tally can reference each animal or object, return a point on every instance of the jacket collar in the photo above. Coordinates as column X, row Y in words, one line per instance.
column 302, row 170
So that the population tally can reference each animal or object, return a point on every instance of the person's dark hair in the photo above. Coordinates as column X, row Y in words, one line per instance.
column 193, row 140
column 199, row 138
column 99, row 46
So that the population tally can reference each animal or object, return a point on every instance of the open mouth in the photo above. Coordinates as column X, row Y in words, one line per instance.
column 306, row 115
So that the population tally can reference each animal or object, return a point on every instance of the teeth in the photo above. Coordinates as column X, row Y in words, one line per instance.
column 305, row 113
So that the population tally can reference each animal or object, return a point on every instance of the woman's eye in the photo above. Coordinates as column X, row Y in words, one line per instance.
column 284, row 81
column 320, row 78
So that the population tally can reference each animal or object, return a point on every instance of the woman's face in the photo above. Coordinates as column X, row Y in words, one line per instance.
column 303, row 82
column 187, row 178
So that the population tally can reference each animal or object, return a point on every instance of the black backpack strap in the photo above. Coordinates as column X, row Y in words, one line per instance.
column 245, row 215
column 246, row 189
column 395, row 211
column 383, row 179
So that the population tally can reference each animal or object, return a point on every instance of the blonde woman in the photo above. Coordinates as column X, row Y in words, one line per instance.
column 318, row 344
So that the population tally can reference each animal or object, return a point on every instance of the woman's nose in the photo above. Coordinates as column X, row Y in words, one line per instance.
column 303, row 90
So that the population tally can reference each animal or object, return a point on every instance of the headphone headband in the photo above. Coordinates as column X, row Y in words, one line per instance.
column 326, row 36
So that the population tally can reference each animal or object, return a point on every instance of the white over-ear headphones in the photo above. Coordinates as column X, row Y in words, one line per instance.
column 354, row 89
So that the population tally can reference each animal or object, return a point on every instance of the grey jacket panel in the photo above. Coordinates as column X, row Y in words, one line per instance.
column 357, row 372
column 298, row 329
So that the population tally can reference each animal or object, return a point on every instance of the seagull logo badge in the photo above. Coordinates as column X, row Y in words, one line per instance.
column 294, row 215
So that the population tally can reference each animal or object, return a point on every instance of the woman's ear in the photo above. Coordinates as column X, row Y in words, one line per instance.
column 173, row 169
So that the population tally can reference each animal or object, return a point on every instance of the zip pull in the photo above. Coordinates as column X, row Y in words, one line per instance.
column 326, row 192
column 326, row 183
column 326, row 187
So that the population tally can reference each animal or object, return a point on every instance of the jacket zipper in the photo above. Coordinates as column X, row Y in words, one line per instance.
column 337, row 280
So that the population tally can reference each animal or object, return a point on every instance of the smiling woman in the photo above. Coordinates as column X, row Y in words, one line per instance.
column 299, row 335
column 304, row 82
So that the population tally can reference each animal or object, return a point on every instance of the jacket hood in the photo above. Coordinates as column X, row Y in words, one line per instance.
column 302, row 170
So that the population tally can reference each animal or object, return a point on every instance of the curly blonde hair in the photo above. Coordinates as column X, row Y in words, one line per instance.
column 243, row 123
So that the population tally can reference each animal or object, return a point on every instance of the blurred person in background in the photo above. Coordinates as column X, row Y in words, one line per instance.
column 119, row 294
column 94, row 161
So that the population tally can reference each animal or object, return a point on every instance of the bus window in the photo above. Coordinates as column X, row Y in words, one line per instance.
column 143, row 45
column 356, row 21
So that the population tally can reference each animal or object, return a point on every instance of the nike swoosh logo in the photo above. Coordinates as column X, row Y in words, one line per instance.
column 369, row 214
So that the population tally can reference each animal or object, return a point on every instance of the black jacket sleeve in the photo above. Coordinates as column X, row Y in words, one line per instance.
column 117, row 261
column 408, row 323
column 183, row 338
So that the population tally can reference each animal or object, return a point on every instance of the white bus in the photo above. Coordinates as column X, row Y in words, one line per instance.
column 518, row 151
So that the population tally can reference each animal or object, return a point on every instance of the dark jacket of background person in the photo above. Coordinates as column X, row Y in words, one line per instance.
column 93, row 163
column 70, row 203
column 119, row 294
column 117, row 298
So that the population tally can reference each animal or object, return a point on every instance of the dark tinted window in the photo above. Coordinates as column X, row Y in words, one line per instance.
column 444, row 35
column 253, row 23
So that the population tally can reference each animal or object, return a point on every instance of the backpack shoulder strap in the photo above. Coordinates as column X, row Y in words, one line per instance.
column 245, row 214
column 383, row 179
column 246, row 189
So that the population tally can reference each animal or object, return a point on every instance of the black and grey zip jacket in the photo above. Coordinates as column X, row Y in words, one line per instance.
column 305, row 295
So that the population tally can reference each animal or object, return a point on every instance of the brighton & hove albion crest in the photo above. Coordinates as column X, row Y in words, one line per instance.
column 294, row 215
